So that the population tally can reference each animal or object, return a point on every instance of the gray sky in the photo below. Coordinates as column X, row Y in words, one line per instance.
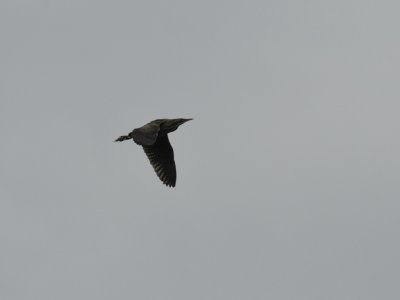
column 288, row 177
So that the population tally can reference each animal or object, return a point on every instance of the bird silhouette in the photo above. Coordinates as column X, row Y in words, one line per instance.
column 153, row 137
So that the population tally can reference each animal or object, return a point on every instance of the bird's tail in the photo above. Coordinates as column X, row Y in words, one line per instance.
column 123, row 138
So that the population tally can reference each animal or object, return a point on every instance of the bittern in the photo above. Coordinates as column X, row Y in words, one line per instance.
column 153, row 137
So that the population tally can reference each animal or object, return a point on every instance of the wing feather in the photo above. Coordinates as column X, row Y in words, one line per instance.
column 146, row 135
column 161, row 156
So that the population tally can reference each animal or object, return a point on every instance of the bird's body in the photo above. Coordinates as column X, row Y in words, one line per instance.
column 153, row 137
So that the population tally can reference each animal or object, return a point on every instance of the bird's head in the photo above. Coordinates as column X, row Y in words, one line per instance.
column 181, row 121
column 172, row 124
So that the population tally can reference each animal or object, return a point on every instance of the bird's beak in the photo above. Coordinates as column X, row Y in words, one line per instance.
column 185, row 120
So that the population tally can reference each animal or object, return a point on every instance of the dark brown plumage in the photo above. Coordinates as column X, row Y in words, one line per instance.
column 153, row 137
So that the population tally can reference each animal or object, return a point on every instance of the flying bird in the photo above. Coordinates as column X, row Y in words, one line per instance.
column 153, row 137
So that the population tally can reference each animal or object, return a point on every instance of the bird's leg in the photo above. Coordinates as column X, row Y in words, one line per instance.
column 123, row 138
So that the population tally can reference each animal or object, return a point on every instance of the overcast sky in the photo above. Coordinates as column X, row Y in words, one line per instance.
column 288, row 177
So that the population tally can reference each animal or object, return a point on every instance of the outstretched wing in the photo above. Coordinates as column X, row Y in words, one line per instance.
column 146, row 135
column 161, row 156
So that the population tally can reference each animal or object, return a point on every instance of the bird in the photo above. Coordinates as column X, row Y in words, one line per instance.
column 153, row 137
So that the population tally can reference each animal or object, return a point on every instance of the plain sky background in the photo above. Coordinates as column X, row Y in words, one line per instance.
column 288, row 176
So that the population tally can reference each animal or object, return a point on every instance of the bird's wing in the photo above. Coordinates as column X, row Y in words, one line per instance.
column 146, row 135
column 161, row 156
